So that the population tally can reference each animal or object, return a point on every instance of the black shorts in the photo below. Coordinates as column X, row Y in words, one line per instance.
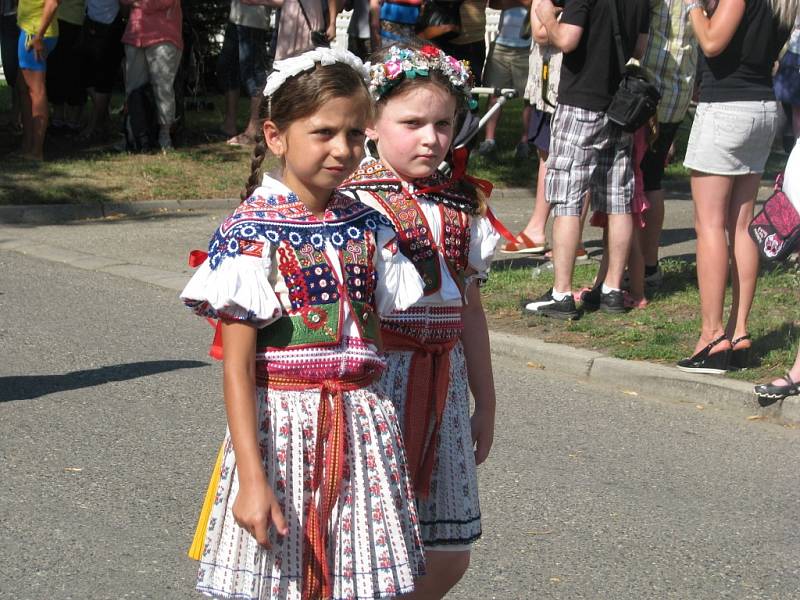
column 655, row 159
column 102, row 50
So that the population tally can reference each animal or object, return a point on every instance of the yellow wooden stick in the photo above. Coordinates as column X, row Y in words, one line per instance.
column 196, row 549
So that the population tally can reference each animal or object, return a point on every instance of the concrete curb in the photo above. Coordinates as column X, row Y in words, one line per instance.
column 50, row 214
column 640, row 378
column 632, row 377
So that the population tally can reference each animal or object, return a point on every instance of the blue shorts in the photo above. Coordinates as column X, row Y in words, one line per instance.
column 26, row 56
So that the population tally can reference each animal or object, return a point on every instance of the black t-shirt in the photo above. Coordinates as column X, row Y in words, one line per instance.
column 590, row 74
column 743, row 71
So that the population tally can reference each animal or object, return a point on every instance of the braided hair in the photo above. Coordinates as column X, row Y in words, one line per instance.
column 299, row 97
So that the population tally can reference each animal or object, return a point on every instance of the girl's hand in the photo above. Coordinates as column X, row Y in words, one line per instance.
column 482, row 426
column 39, row 49
column 256, row 508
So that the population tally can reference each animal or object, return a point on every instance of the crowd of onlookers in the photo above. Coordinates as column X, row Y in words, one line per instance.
column 732, row 57
column 57, row 54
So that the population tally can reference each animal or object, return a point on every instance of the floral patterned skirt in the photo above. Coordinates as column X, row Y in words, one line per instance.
column 374, row 549
column 451, row 514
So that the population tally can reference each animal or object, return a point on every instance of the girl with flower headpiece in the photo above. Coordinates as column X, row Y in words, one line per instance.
column 310, row 498
column 432, row 356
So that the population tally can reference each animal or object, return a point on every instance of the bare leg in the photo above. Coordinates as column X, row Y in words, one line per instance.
column 650, row 236
column 252, row 124
column 744, row 254
column 566, row 236
column 26, row 113
column 535, row 229
column 231, row 104
column 444, row 570
column 794, row 372
column 620, row 231
column 636, row 265
column 39, row 112
column 526, row 118
column 491, row 124
column 711, row 195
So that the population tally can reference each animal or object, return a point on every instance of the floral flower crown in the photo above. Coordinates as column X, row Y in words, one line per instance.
column 406, row 63
column 290, row 67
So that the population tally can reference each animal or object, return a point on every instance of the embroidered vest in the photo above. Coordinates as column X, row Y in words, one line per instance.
column 316, row 298
column 414, row 235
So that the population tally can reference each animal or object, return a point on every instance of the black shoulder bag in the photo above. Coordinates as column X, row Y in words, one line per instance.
column 636, row 100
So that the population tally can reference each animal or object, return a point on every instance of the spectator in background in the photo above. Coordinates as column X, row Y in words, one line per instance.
column 303, row 26
column 243, row 63
column 787, row 85
column 102, row 54
column 507, row 67
column 470, row 45
column 541, row 92
column 359, row 35
column 670, row 62
column 589, row 155
column 37, row 37
column 9, row 38
column 731, row 137
column 64, row 84
column 153, row 44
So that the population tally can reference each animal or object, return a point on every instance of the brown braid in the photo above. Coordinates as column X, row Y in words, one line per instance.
column 259, row 152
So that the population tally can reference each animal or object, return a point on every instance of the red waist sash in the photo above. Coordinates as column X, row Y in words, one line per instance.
column 426, row 395
column 326, row 476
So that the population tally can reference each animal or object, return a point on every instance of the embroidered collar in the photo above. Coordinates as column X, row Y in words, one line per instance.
column 274, row 214
column 373, row 175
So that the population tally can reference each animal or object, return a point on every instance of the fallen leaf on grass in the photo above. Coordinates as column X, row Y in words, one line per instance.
column 755, row 417
column 73, row 469
column 535, row 365
column 630, row 392
column 700, row 407
column 555, row 580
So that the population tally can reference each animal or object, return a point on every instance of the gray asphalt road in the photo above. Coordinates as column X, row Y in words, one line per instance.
column 110, row 416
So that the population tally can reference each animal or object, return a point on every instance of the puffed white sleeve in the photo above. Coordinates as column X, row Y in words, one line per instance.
column 483, row 241
column 235, row 286
column 399, row 285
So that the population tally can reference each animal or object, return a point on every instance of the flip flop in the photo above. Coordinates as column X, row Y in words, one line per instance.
column 525, row 246
column 241, row 140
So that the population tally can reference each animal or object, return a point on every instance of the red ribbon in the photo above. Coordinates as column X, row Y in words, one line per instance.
column 196, row 258
column 426, row 396
column 460, row 156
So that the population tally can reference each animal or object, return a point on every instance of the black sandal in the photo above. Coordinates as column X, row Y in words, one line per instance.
column 768, row 392
column 740, row 359
column 705, row 362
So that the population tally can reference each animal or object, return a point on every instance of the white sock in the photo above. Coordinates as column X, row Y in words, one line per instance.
column 606, row 290
column 559, row 296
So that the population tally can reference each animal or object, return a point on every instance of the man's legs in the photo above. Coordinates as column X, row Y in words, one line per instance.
column 566, row 237
column 252, row 73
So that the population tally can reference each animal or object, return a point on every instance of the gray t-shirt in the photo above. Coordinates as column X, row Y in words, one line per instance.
column 249, row 16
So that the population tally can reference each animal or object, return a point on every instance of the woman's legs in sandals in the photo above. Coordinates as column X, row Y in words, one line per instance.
column 744, row 255
column 712, row 196
column 535, row 229
column 443, row 570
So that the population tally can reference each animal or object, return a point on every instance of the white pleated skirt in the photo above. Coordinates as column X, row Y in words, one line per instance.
column 374, row 548
column 451, row 514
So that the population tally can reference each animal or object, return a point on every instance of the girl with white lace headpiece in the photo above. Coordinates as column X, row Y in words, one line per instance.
column 310, row 497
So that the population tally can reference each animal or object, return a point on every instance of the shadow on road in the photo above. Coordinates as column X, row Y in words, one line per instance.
column 28, row 387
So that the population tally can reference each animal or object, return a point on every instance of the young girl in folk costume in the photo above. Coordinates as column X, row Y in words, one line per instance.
column 431, row 354
column 312, row 500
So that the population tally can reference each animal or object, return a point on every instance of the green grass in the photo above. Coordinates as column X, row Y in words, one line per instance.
column 666, row 330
